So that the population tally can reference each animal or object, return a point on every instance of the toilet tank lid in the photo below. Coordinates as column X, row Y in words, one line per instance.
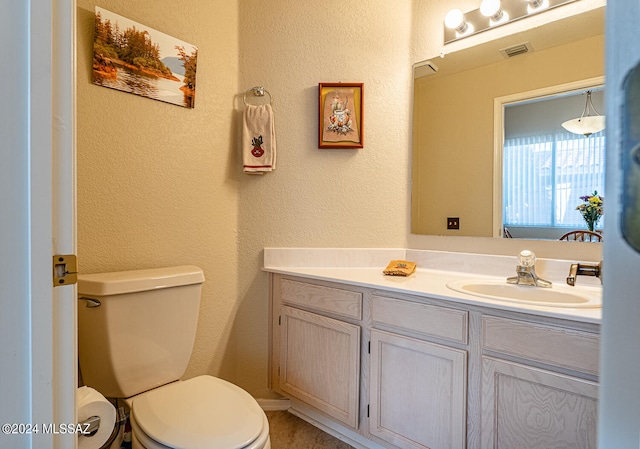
column 116, row 283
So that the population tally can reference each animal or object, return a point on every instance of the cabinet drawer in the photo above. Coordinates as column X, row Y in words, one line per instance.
column 323, row 299
column 571, row 349
column 442, row 322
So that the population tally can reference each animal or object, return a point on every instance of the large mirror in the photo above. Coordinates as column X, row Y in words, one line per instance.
column 454, row 124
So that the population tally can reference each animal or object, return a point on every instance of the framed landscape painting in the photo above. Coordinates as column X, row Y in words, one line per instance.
column 134, row 58
column 341, row 120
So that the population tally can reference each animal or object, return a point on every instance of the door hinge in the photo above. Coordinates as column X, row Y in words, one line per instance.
column 368, row 410
column 279, row 320
column 65, row 269
column 369, row 346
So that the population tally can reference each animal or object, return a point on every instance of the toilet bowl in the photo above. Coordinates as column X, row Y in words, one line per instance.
column 136, row 331
column 200, row 413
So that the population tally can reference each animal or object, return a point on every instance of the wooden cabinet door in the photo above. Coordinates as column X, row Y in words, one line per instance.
column 418, row 392
column 530, row 408
column 320, row 362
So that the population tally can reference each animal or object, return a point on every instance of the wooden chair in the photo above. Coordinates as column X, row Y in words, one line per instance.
column 582, row 236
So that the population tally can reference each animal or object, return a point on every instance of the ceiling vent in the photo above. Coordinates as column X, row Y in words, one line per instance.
column 516, row 50
column 424, row 68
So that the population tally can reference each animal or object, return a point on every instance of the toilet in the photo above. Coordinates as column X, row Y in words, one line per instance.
column 136, row 331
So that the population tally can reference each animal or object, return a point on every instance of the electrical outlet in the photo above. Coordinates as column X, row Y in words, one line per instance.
column 453, row 223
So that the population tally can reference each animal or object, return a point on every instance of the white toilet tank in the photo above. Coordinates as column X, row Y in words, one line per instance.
column 141, row 334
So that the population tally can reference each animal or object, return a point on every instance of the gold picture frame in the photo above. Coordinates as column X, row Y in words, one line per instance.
column 341, row 115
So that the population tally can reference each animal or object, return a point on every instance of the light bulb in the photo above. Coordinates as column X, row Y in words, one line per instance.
column 536, row 5
column 489, row 8
column 454, row 20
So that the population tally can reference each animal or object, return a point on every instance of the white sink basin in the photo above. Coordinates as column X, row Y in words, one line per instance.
column 558, row 295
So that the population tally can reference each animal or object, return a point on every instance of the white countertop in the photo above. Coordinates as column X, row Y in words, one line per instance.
column 363, row 267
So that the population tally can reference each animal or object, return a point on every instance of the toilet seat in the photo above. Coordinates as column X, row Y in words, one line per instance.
column 200, row 413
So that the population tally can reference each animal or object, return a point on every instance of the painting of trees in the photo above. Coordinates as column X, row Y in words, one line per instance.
column 189, row 62
column 137, row 59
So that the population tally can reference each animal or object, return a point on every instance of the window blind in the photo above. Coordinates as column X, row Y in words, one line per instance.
column 545, row 176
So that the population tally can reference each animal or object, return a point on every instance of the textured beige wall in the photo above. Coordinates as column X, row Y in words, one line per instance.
column 321, row 198
column 158, row 183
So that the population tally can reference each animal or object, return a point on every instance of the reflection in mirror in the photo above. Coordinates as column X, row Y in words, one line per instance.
column 454, row 134
column 546, row 169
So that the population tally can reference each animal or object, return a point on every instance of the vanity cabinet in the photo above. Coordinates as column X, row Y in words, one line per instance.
column 536, row 390
column 319, row 356
column 387, row 370
column 418, row 387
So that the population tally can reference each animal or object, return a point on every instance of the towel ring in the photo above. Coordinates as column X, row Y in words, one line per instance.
column 257, row 92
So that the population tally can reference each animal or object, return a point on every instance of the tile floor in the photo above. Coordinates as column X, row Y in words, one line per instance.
column 287, row 431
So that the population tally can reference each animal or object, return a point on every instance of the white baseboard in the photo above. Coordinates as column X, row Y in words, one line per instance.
column 332, row 428
column 271, row 405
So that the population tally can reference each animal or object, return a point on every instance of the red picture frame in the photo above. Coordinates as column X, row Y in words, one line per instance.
column 341, row 115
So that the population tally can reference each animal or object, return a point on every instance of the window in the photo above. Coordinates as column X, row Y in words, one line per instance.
column 545, row 176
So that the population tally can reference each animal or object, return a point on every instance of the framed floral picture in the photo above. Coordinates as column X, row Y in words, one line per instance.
column 341, row 122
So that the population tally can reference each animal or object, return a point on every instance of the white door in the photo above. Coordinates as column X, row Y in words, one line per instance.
column 620, row 355
column 37, row 322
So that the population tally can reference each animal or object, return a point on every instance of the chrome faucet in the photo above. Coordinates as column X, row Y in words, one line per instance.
column 526, row 271
column 584, row 269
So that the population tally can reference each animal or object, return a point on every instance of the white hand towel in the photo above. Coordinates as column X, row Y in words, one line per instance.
column 258, row 139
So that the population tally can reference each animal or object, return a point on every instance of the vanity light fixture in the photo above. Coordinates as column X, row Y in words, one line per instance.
column 492, row 10
column 459, row 24
column 588, row 124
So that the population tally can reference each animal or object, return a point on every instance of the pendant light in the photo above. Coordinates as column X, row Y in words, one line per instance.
column 586, row 124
